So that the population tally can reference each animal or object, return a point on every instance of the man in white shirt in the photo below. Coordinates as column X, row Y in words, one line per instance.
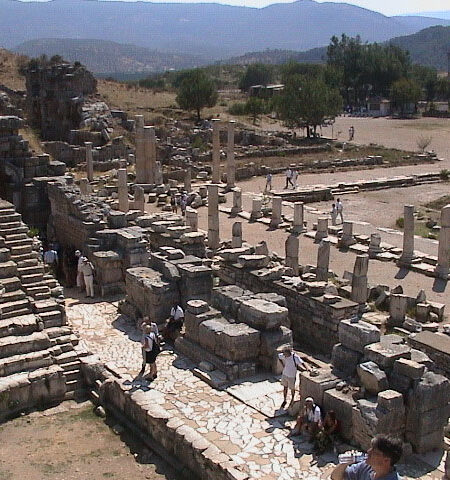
column 80, row 279
column 87, row 269
column 51, row 260
column 174, row 324
column 310, row 418
column 340, row 209
column 291, row 363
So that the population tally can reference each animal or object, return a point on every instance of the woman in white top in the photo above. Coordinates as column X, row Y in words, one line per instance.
column 151, row 349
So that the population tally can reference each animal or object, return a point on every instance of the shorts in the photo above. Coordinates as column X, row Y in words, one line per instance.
column 150, row 357
column 288, row 382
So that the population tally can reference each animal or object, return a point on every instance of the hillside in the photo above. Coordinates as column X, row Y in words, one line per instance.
column 101, row 56
column 208, row 29
column 428, row 47
column 275, row 57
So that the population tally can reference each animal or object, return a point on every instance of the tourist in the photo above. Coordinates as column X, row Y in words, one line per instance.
column 268, row 187
column 382, row 456
column 151, row 349
column 174, row 324
column 80, row 277
column 330, row 427
column 288, row 174
column 351, row 133
column 295, row 178
column 310, row 419
column 340, row 209
column 173, row 203
column 87, row 269
column 333, row 214
column 291, row 363
column 183, row 203
column 51, row 260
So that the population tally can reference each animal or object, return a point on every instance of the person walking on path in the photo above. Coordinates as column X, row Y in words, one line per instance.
column 80, row 277
column 87, row 269
column 291, row 363
column 351, row 133
column 295, row 178
column 333, row 214
column 268, row 187
column 288, row 178
column 340, row 209
column 151, row 349
column 51, row 260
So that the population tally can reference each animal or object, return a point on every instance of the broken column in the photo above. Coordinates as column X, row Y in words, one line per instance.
column 213, row 217
column 192, row 219
column 375, row 245
column 398, row 304
column 291, row 248
column 140, row 149
column 298, row 225
column 359, row 279
column 188, row 179
column 89, row 161
column 277, row 203
column 347, row 238
column 237, row 201
column 216, row 151
column 231, row 162
column 256, row 208
column 159, row 180
column 443, row 262
column 323, row 261
column 84, row 186
column 236, row 232
column 139, row 198
column 150, row 154
column 322, row 229
column 122, row 183
column 408, row 236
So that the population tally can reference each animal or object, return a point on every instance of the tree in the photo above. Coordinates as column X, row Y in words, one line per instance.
column 196, row 92
column 308, row 102
column 256, row 74
column 255, row 106
column 403, row 93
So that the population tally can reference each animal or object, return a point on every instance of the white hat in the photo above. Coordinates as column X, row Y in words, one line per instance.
column 309, row 399
column 77, row 252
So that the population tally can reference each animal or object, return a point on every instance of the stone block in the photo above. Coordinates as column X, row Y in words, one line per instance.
column 342, row 404
column 409, row 368
column 421, row 357
column 316, row 387
column 197, row 306
column 272, row 339
column 423, row 423
column 262, row 315
column 237, row 342
column 222, row 298
column 390, row 400
column 344, row 359
column 425, row 443
column 254, row 261
column 386, row 355
column 357, row 335
column 372, row 378
column 432, row 391
column 400, row 383
column 209, row 331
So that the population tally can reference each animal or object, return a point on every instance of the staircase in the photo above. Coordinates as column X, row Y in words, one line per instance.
column 39, row 354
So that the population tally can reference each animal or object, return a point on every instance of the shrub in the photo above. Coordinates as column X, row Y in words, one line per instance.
column 423, row 142
column 238, row 108
column 444, row 174
column 400, row 222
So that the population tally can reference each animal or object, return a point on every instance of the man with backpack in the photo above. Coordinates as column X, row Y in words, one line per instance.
column 291, row 363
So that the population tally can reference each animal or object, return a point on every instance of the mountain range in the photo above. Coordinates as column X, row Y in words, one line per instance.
column 209, row 30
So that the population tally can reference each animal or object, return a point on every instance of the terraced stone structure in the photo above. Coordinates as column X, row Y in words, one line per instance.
column 39, row 361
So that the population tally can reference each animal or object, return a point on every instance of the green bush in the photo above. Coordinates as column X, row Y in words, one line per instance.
column 238, row 108
column 444, row 174
column 33, row 232
column 400, row 222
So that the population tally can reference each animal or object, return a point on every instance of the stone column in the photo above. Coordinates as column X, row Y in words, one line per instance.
column 359, row 279
column 192, row 219
column 150, row 154
column 89, row 161
column 277, row 203
column 443, row 262
column 188, row 179
column 159, row 179
column 139, row 199
column 298, row 225
column 322, row 229
column 323, row 261
column 122, row 182
column 408, row 236
column 236, row 232
column 256, row 208
column 140, row 150
column 213, row 217
column 84, row 186
column 347, row 238
column 231, row 163
column 123, row 163
column 375, row 245
column 291, row 251
column 397, row 309
column 216, row 151
column 237, row 201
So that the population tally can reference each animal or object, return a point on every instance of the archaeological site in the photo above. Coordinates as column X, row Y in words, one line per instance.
column 150, row 219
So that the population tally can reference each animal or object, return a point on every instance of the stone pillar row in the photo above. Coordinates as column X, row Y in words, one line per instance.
column 231, row 162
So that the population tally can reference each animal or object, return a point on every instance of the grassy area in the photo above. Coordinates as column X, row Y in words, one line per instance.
column 439, row 203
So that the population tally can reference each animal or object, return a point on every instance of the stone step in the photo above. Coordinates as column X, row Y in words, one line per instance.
column 16, row 313
column 10, row 225
column 11, row 283
column 21, row 250
column 12, row 217
column 35, row 289
column 8, row 231
column 78, row 395
column 12, row 296
column 20, row 242
column 16, row 236
column 75, row 374
column 15, row 345
column 26, row 256
column 42, row 296
column 50, row 281
column 33, row 278
column 31, row 270
column 5, row 255
column 51, row 319
column 8, row 307
column 45, row 306
column 25, row 362
column 16, row 326
column 72, row 339
column 66, row 357
column 8, row 269
column 7, row 211
column 30, row 262
column 73, row 385
column 55, row 332
column 67, row 367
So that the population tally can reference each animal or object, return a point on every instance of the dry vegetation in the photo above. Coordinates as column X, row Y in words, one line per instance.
column 9, row 74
